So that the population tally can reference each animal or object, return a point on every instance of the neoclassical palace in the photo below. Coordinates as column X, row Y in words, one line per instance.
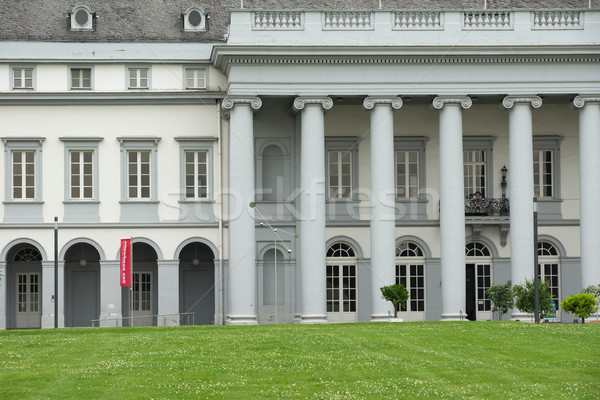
column 280, row 161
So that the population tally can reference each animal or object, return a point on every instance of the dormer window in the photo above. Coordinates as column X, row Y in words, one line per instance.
column 82, row 19
column 194, row 20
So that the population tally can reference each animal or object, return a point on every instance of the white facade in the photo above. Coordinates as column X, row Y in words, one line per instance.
column 356, row 136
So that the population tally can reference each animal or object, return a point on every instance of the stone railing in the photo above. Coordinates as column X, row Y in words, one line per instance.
column 417, row 20
column 278, row 20
column 487, row 20
column 557, row 19
column 347, row 20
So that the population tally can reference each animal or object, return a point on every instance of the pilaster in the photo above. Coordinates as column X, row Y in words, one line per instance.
column 383, row 201
column 452, row 212
column 168, row 292
column 312, row 207
column 520, row 147
column 110, row 294
column 3, row 294
column 47, row 294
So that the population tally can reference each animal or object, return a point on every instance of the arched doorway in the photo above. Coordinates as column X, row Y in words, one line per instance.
column 410, row 272
column 24, row 270
column 82, row 285
column 342, row 284
column 197, row 284
column 140, row 302
column 274, row 291
column 549, row 271
column 479, row 275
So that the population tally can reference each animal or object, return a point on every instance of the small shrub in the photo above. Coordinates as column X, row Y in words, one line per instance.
column 396, row 294
column 583, row 305
column 525, row 297
column 501, row 297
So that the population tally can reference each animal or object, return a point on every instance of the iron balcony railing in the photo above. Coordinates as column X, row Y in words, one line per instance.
column 478, row 205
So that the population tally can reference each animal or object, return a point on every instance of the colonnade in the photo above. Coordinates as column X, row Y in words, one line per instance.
column 242, row 247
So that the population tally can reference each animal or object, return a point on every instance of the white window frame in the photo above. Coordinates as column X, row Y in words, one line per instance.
column 410, row 144
column 138, row 78
column 11, row 145
column 340, row 261
column 342, row 145
column 22, row 68
column 80, row 79
column 484, row 144
column 196, row 79
column 408, row 262
column 550, row 143
column 139, row 144
column 81, row 144
column 545, row 259
column 195, row 144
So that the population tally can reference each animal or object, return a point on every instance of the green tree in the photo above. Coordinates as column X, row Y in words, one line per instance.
column 595, row 290
column 397, row 294
column 501, row 297
column 525, row 297
column 583, row 305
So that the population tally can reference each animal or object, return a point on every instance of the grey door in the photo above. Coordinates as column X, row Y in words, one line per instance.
column 199, row 294
column 85, row 297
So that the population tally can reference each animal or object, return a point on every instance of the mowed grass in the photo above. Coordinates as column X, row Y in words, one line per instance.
column 482, row 360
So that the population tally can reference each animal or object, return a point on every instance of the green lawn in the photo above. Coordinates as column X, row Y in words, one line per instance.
column 482, row 360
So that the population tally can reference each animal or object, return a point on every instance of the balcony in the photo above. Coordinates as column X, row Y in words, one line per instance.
column 479, row 206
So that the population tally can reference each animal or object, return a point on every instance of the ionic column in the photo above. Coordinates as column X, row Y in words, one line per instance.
column 312, row 207
column 168, row 292
column 110, row 294
column 242, row 242
column 589, row 187
column 383, row 201
column 520, row 159
column 452, row 207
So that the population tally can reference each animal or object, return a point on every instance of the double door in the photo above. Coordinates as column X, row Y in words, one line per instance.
column 28, row 312
column 479, row 279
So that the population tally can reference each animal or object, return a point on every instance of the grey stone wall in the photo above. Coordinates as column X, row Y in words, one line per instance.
column 159, row 20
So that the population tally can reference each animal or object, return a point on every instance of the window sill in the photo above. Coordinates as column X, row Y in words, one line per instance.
column 139, row 202
column 81, row 202
column 404, row 200
column 195, row 201
column 23, row 202
column 342, row 201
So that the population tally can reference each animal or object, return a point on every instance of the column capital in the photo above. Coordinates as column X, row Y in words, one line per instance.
column 464, row 101
column 579, row 101
column 300, row 102
column 230, row 101
column 509, row 101
column 372, row 101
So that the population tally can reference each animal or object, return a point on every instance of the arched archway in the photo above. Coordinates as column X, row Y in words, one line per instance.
column 342, row 283
column 197, row 284
column 479, row 276
column 24, row 284
column 82, row 284
column 410, row 272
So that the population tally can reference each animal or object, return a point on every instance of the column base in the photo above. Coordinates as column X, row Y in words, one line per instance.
column 297, row 319
column 521, row 316
column 313, row 319
column 453, row 317
column 241, row 320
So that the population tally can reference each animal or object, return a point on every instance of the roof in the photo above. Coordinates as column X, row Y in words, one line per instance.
column 160, row 20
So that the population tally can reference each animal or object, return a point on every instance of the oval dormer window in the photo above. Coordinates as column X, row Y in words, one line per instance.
column 82, row 19
column 194, row 20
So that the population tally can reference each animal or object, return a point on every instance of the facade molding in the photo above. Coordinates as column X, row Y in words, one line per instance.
column 301, row 102
column 581, row 100
column 73, row 242
column 230, row 101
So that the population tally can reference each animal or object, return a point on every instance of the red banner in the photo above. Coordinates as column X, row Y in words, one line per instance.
column 125, row 268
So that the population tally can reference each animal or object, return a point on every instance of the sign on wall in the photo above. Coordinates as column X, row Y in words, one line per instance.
column 125, row 265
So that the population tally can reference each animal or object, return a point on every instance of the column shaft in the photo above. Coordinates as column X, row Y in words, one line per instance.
column 589, row 183
column 383, row 212
column 242, row 243
column 452, row 214
column 168, row 292
column 312, row 211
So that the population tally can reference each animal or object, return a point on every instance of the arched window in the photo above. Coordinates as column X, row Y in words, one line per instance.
column 341, row 283
column 28, row 254
column 477, row 249
column 410, row 272
column 549, row 268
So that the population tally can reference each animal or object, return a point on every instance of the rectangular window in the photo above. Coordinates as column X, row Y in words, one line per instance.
column 138, row 78
column 81, row 78
column 340, row 174
column 82, row 175
column 196, row 174
column 138, row 172
column 407, row 174
column 474, row 172
column 412, row 277
column 548, row 272
column 23, row 175
column 484, row 282
column 543, row 173
column 195, row 78
column 22, row 78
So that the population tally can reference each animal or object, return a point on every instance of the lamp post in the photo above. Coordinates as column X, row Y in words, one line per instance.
column 275, row 238
column 535, row 262
column 503, row 170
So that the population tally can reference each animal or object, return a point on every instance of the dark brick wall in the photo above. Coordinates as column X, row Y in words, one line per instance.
column 158, row 20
